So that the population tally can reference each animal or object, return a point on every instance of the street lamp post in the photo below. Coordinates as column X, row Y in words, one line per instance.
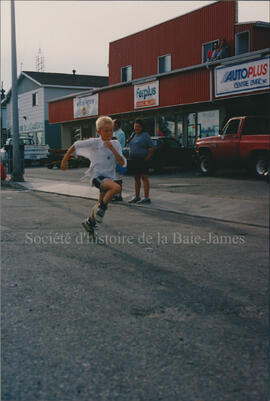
column 17, row 173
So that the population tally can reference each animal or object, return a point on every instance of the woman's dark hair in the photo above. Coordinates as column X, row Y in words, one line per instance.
column 139, row 121
column 117, row 122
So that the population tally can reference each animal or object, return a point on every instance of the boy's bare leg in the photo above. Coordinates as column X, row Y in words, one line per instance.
column 120, row 183
column 99, row 209
column 111, row 188
column 101, row 196
column 90, row 224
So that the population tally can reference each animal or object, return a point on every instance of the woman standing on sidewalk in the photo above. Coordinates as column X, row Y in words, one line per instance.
column 141, row 149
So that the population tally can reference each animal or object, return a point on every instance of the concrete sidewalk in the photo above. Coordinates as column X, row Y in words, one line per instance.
column 243, row 211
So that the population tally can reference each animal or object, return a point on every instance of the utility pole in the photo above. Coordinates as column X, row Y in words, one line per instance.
column 17, row 173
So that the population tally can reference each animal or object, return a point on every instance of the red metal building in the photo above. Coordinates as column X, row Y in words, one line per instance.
column 181, row 37
column 162, row 75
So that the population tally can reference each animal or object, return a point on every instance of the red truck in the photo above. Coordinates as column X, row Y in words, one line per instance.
column 244, row 141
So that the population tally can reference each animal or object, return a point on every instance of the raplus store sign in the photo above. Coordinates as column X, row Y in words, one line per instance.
column 146, row 95
column 245, row 77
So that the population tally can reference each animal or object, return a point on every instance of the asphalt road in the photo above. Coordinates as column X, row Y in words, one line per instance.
column 166, row 307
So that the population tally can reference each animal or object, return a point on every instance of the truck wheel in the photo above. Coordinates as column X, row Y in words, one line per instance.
column 260, row 165
column 206, row 164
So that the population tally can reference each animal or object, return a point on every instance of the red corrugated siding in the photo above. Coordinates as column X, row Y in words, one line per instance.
column 184, row 88
column 114, row 101
column 243, row 27
column 189, row 87
column 61, row 111
column 182, row 37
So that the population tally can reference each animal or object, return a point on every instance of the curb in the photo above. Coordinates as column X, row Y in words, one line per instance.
column 15, row 185
column 197, row 216
column 11, row 184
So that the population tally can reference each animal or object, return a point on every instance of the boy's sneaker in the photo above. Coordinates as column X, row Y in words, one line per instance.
column 99, row 213
column 144, row 200
column 117, row 198
column 135, row 199
column 89, row 226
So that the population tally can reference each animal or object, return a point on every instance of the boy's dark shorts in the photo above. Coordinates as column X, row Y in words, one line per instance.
column 97, row 182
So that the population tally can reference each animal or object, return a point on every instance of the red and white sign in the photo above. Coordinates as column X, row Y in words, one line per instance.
column 146, row 95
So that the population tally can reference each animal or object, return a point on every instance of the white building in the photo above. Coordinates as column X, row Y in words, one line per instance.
column 35, row 89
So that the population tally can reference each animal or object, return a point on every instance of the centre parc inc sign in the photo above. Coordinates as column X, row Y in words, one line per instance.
column 146, row 95
column 85, row 106
column 245, row 77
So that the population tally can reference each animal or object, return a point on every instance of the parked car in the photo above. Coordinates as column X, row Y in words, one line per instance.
column 56, row 155
column 244, row 141
column 33, row 154
column 168, row 153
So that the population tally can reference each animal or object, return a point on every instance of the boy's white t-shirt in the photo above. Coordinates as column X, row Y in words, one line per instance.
column 103, row 161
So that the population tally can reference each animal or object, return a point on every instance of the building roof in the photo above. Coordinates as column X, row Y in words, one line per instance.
column 259, row 24
column 59, row 79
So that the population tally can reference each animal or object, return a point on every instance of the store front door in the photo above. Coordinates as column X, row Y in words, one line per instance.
column 194, row 132
column 191, row 130
column 201, row 124
column 150, row 125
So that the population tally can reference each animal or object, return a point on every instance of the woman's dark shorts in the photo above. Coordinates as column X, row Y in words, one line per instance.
column 137, row 166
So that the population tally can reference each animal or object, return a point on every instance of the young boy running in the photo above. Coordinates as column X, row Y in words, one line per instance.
column 103, row 154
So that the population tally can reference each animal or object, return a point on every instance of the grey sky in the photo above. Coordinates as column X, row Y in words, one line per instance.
column 76, row 34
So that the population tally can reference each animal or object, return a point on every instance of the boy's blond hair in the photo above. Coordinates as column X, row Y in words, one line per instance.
column 101, row 121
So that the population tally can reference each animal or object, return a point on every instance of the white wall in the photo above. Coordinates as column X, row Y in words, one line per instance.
column 8, row 115
column 34, row 121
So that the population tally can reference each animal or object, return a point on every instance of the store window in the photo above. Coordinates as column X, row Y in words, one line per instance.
column 34, row 99
column 126, row 73
column 164, row 63
column 166, row 125
column 76, row 134
column 128, row 127
column 208, row 123
column 179, row 133
column 150, row 125
column 192, row 129
column 242, row 43
column 207, row 49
